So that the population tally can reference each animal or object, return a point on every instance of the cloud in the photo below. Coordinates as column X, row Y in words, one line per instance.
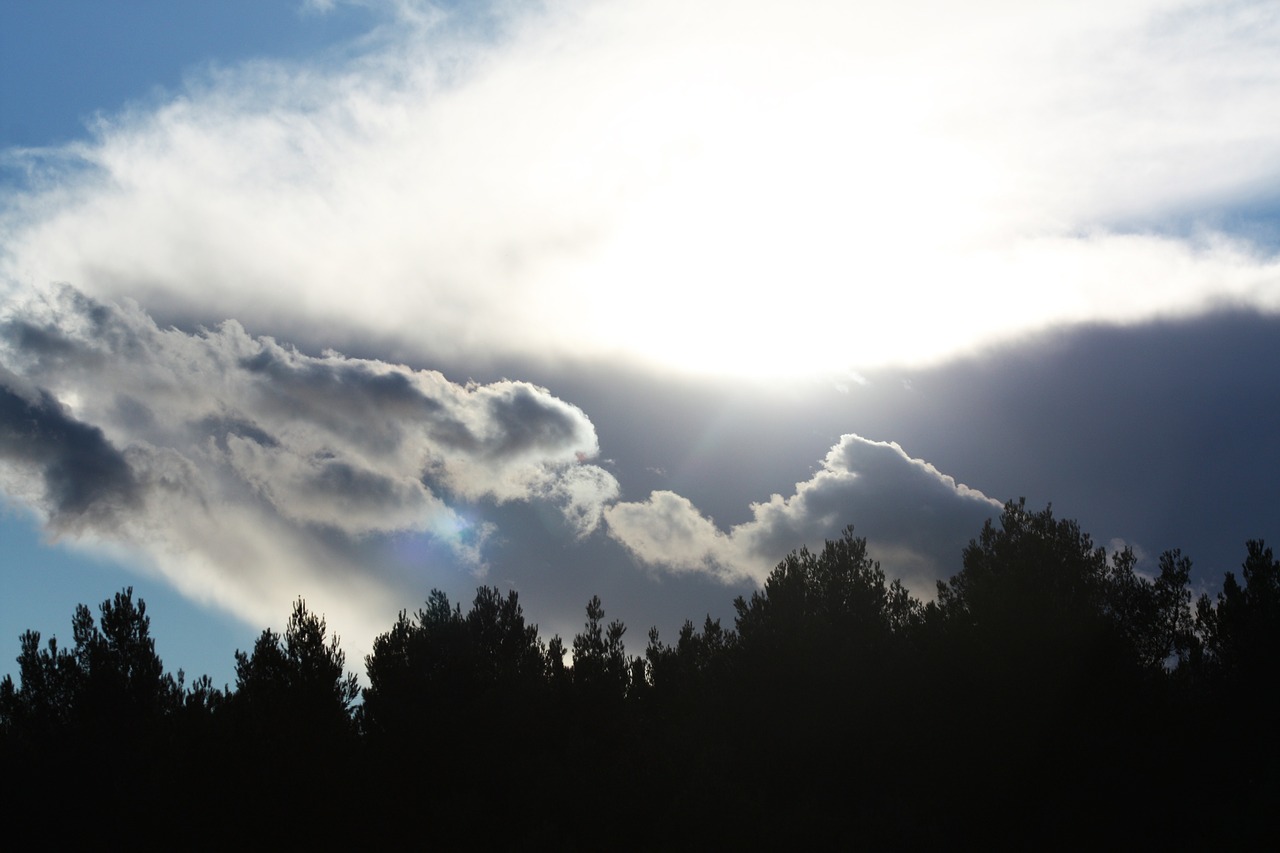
column 676, row 185
column 250, row 470
column 668, row 531
column 916, row 519
column 245, row 471
column 537, row 189
column 584, row 491
column 85, row 479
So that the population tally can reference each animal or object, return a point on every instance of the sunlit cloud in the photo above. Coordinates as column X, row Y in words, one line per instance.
column 916, row 520
column 750, row 188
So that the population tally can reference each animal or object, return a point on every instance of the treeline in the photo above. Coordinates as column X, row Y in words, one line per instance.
column 1050, row 695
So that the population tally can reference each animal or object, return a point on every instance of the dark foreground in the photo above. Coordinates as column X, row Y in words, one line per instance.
column 1050, row 696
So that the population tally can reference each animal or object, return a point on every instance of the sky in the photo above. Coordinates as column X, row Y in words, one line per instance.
column 354, row 300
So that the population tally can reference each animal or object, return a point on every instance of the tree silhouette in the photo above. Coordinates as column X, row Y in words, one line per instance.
column 601, row 669
column 1038, row 645
column 126, row 685
column 50, row 684
column 1153, row 617
column 1036, row 599
column 467, row 693
column 818, row 663
column 1241, row 679
column 291, row 708
column 506, row 652
column 697, row 658
column 1242, row 632
column 444, row 667
column 105, row 703
column 837, row 597
column 296, row 686
column 110, row 684
column 316, row 664
column 1049, row 691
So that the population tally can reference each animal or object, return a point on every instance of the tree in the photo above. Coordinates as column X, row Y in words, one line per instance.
column 45, row 701
column 1031, row 594
column 1241, row 635
column 126, row 684
column 826, row 605
column 696, row 658
column 451, row 667
column 296, row 684
column 507, row 653
column 600, row 666
column 1037, row 647
column 263, row 673
column 1154, row 617
column 1036, row 589
column 317, row 663
column 466, row 694
column 1242, row 631
column 110, row 684
column 1030, row 569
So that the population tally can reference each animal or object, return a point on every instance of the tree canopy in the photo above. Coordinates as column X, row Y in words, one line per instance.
column 1047, row 681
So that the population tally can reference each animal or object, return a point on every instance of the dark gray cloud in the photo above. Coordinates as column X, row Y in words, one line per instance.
column 1158, row 434
column 526, row 422
column 219, row 429
column 86, row 480
column 1161, row 434
column 915, row 517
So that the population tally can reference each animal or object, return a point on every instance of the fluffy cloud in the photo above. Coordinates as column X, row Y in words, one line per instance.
column 668, row 531
column 251, row 470
column 899, row 182
column 916, row 519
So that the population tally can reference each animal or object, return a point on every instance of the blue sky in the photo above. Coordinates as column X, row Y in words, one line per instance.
column 66, row 61
column 353, row 300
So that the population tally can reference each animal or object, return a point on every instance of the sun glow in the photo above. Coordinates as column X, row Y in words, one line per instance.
column 741, row 188
column 819, row 231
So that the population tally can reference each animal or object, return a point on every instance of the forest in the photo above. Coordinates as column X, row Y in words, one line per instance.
column 1050, row 695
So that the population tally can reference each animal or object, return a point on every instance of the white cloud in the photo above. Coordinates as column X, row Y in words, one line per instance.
column 668, row 531
column 674, row 183
column 916, row 519
column 584, row 491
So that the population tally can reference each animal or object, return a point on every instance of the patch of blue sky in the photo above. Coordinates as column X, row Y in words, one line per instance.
column 63, row 62
column 42, row 582
column 1251, row 218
